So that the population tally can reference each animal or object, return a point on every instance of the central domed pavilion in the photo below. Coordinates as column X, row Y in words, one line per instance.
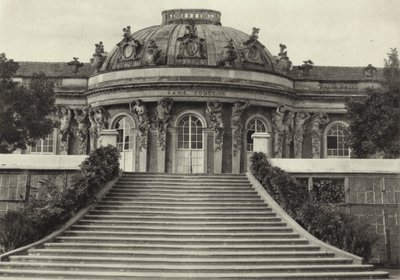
column 193, row 96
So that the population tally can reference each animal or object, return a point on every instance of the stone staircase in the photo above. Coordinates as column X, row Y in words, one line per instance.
column 160, row 226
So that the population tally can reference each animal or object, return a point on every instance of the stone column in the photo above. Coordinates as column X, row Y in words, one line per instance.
column 218, row 161
column 108, row 137
column 142, row 151
column 260, row 142
column 236, row 149
column 161, row 150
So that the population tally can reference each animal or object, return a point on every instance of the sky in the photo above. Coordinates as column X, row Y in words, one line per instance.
column 329, row 32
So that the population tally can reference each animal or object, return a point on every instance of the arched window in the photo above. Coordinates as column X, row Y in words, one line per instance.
column 124, row 127
column 335, row 141
column 254, row 125
column 190, row 154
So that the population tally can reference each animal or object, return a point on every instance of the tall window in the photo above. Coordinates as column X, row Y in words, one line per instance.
column 44, row 146
column 190, row 154
column 335, row 141
column 124, row 127
column 255, row 125
column 190, row 133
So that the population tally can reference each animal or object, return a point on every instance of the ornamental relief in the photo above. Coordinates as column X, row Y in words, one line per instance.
column 191, row 45
column 339, row 86
column 129, row 47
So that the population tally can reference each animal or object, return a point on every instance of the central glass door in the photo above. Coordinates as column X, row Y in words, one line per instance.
column 190, row 145
column 124, row 127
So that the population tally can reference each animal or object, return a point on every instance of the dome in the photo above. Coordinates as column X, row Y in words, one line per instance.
column 190, row 37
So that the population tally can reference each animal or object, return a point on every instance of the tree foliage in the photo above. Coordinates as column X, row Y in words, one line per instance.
column 375, row 120
column 24, row 111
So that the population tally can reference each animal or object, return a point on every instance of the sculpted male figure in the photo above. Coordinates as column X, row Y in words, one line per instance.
column 299, row 127
column 279, row 129
column 288, row 132
column 317, row 121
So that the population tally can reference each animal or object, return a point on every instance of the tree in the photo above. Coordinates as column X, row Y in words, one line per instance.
column 25, row 112
column 375, row 120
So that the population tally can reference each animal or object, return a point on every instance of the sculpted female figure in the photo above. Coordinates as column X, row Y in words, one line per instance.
column 299, row 127
column 140, row 112
column 81, row 115
column 236, row 124
column 162, row 119
column 288, row 132
column 317, row 121
column 214, row 114
column 279, row 130
column 64, row 116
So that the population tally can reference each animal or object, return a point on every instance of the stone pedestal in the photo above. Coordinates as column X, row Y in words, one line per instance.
column 218, row 162
column 143, row 160
column 108, row 137
column 160, row 160
column 260, row 142
column 236, row 151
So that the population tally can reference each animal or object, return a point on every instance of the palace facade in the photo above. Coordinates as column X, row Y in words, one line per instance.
column 194, row 96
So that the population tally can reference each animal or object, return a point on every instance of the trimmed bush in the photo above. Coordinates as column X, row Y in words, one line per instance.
column 51, row 208
column 322, row 218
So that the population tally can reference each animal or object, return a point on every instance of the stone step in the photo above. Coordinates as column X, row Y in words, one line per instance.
column 181, row 240
column 180, row 223
column 165, row 233
column 181, row 202
column 185, row 176
column 84, row 275
column 178, row 228
column 134, row 204
column 172, row 212
column 158, row 193
column 182, row 191
column 250, row 253
column 182, row 261
column 134, row 267
column 186, row 184
column 197, row 218
column 187, row 199
column 210, row 180
column 180, row 247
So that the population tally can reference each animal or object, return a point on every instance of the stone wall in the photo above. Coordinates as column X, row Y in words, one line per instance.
column 376, row 200
column 16, row 186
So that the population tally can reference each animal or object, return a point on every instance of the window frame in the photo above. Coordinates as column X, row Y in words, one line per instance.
column 326, row 136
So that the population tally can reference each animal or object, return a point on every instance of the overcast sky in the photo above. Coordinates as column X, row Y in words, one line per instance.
column 329, row 32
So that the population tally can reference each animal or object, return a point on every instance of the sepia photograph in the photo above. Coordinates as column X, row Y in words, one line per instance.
column 208, row 139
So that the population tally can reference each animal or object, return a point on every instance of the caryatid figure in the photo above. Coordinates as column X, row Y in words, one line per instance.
column 288, row 126
column 64, row 115
column 139, row 111
column 81, row 117
column 236, row 124
column 299, row 127
column 317, row 121
column 214, row 114
column 279, row 130
column 162, row 119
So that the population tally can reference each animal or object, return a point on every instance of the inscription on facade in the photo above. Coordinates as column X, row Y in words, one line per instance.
column 204, row 93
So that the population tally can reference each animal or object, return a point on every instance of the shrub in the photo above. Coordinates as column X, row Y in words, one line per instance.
column 51, row 208
column 320, row 217
column 289, row 193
